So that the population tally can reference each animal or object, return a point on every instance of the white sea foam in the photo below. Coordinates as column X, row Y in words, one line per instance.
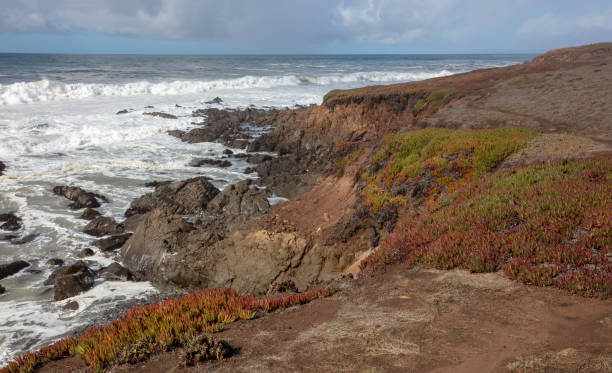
column 48, row 90
column 32, row 324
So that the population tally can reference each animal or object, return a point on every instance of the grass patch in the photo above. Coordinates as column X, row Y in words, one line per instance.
column 340, row 164
column 335, row 93
column 161, row 326
column 545, row 224
column 441, row 157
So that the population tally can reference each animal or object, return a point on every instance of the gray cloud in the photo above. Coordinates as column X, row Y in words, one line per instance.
column 555, row 25
column 309, row 24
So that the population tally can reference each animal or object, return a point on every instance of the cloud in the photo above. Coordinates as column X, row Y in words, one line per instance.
column 311, row 25
column 550, row 25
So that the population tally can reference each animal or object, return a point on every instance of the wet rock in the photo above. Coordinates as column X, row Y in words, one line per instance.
column 26, row 239
column 11, row 222
column 111, row 243
column 239, row 200
column 10, row 269
column 217, row 100
column 80, row 197
column 115, row 272
column 198, row 162
column 149, row 107
column 89, row 214
column 55, row 262
column 161, row 115
column 181, row 197
column 103, row 225
column 125, row 111
column 249, row 170
column 228, row 152
column 153, row 184
column 8, row 237
column 259, row 158
column 2, row 168
column 71, row 306
column 85, row 253
column 2, row 290
column 71, row 280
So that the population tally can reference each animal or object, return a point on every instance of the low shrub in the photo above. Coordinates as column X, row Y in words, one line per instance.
column 158, row 327
column 545, row 224
column 434, row 160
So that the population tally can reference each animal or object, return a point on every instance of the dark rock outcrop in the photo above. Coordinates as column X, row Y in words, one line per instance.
column 71, row 306
column 71, row 280
column 2, row 168
column 2, row 290
column 25, row 239
column 216, row 100
column 111, row 243
column 55, row 262
column 115, row 272
column 89, row 214
column 239, row 200
column 11, row 222
column 167, row 249
column 80, row 197
column 181, row 197
column 124, row 111
column 85, row 253
column 199, row 162
column 103, row 225
column 161, row 115
column 12, row 268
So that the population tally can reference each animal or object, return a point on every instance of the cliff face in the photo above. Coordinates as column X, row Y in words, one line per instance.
column 339, row 209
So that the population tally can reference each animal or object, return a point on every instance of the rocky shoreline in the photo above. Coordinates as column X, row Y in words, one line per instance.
column 334, row 163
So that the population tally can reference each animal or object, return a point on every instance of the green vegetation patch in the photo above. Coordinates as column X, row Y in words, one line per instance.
column 545, row 224
column 162, row 326
column 441, row 158
column 340, row 164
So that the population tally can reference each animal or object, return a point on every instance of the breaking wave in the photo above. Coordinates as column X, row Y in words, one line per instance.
column 49, row 90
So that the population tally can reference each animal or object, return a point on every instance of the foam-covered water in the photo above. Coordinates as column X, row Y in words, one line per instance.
column 58, row 126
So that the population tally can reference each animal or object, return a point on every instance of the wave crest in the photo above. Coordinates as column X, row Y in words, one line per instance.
column 49, row 90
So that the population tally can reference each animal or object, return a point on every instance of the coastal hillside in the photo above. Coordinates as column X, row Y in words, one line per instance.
column 456, row 224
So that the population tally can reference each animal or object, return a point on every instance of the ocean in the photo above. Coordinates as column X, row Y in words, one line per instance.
column 58, row 126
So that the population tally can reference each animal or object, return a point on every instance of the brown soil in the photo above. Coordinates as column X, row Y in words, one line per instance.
column 415, row 320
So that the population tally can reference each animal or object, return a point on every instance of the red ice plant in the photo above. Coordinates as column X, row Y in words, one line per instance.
column 159, row 326
column 545, row 224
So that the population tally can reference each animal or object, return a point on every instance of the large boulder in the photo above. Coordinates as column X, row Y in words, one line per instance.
column 103, row 225
column 111, row 243
column 81, row 198
column 239, row 200
column 89, row 214
column 182, row 197
column 12, row 268
column 11, row 222
column 71, row 280
column 166, row 249
column 115, row 272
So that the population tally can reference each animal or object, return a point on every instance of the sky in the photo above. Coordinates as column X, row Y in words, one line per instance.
column 301, row 26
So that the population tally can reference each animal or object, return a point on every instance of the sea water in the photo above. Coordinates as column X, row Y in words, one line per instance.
column 58, row 126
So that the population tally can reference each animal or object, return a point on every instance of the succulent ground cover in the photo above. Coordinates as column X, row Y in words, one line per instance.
column 544, row 224
column 162, row 326
column 435, row 160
